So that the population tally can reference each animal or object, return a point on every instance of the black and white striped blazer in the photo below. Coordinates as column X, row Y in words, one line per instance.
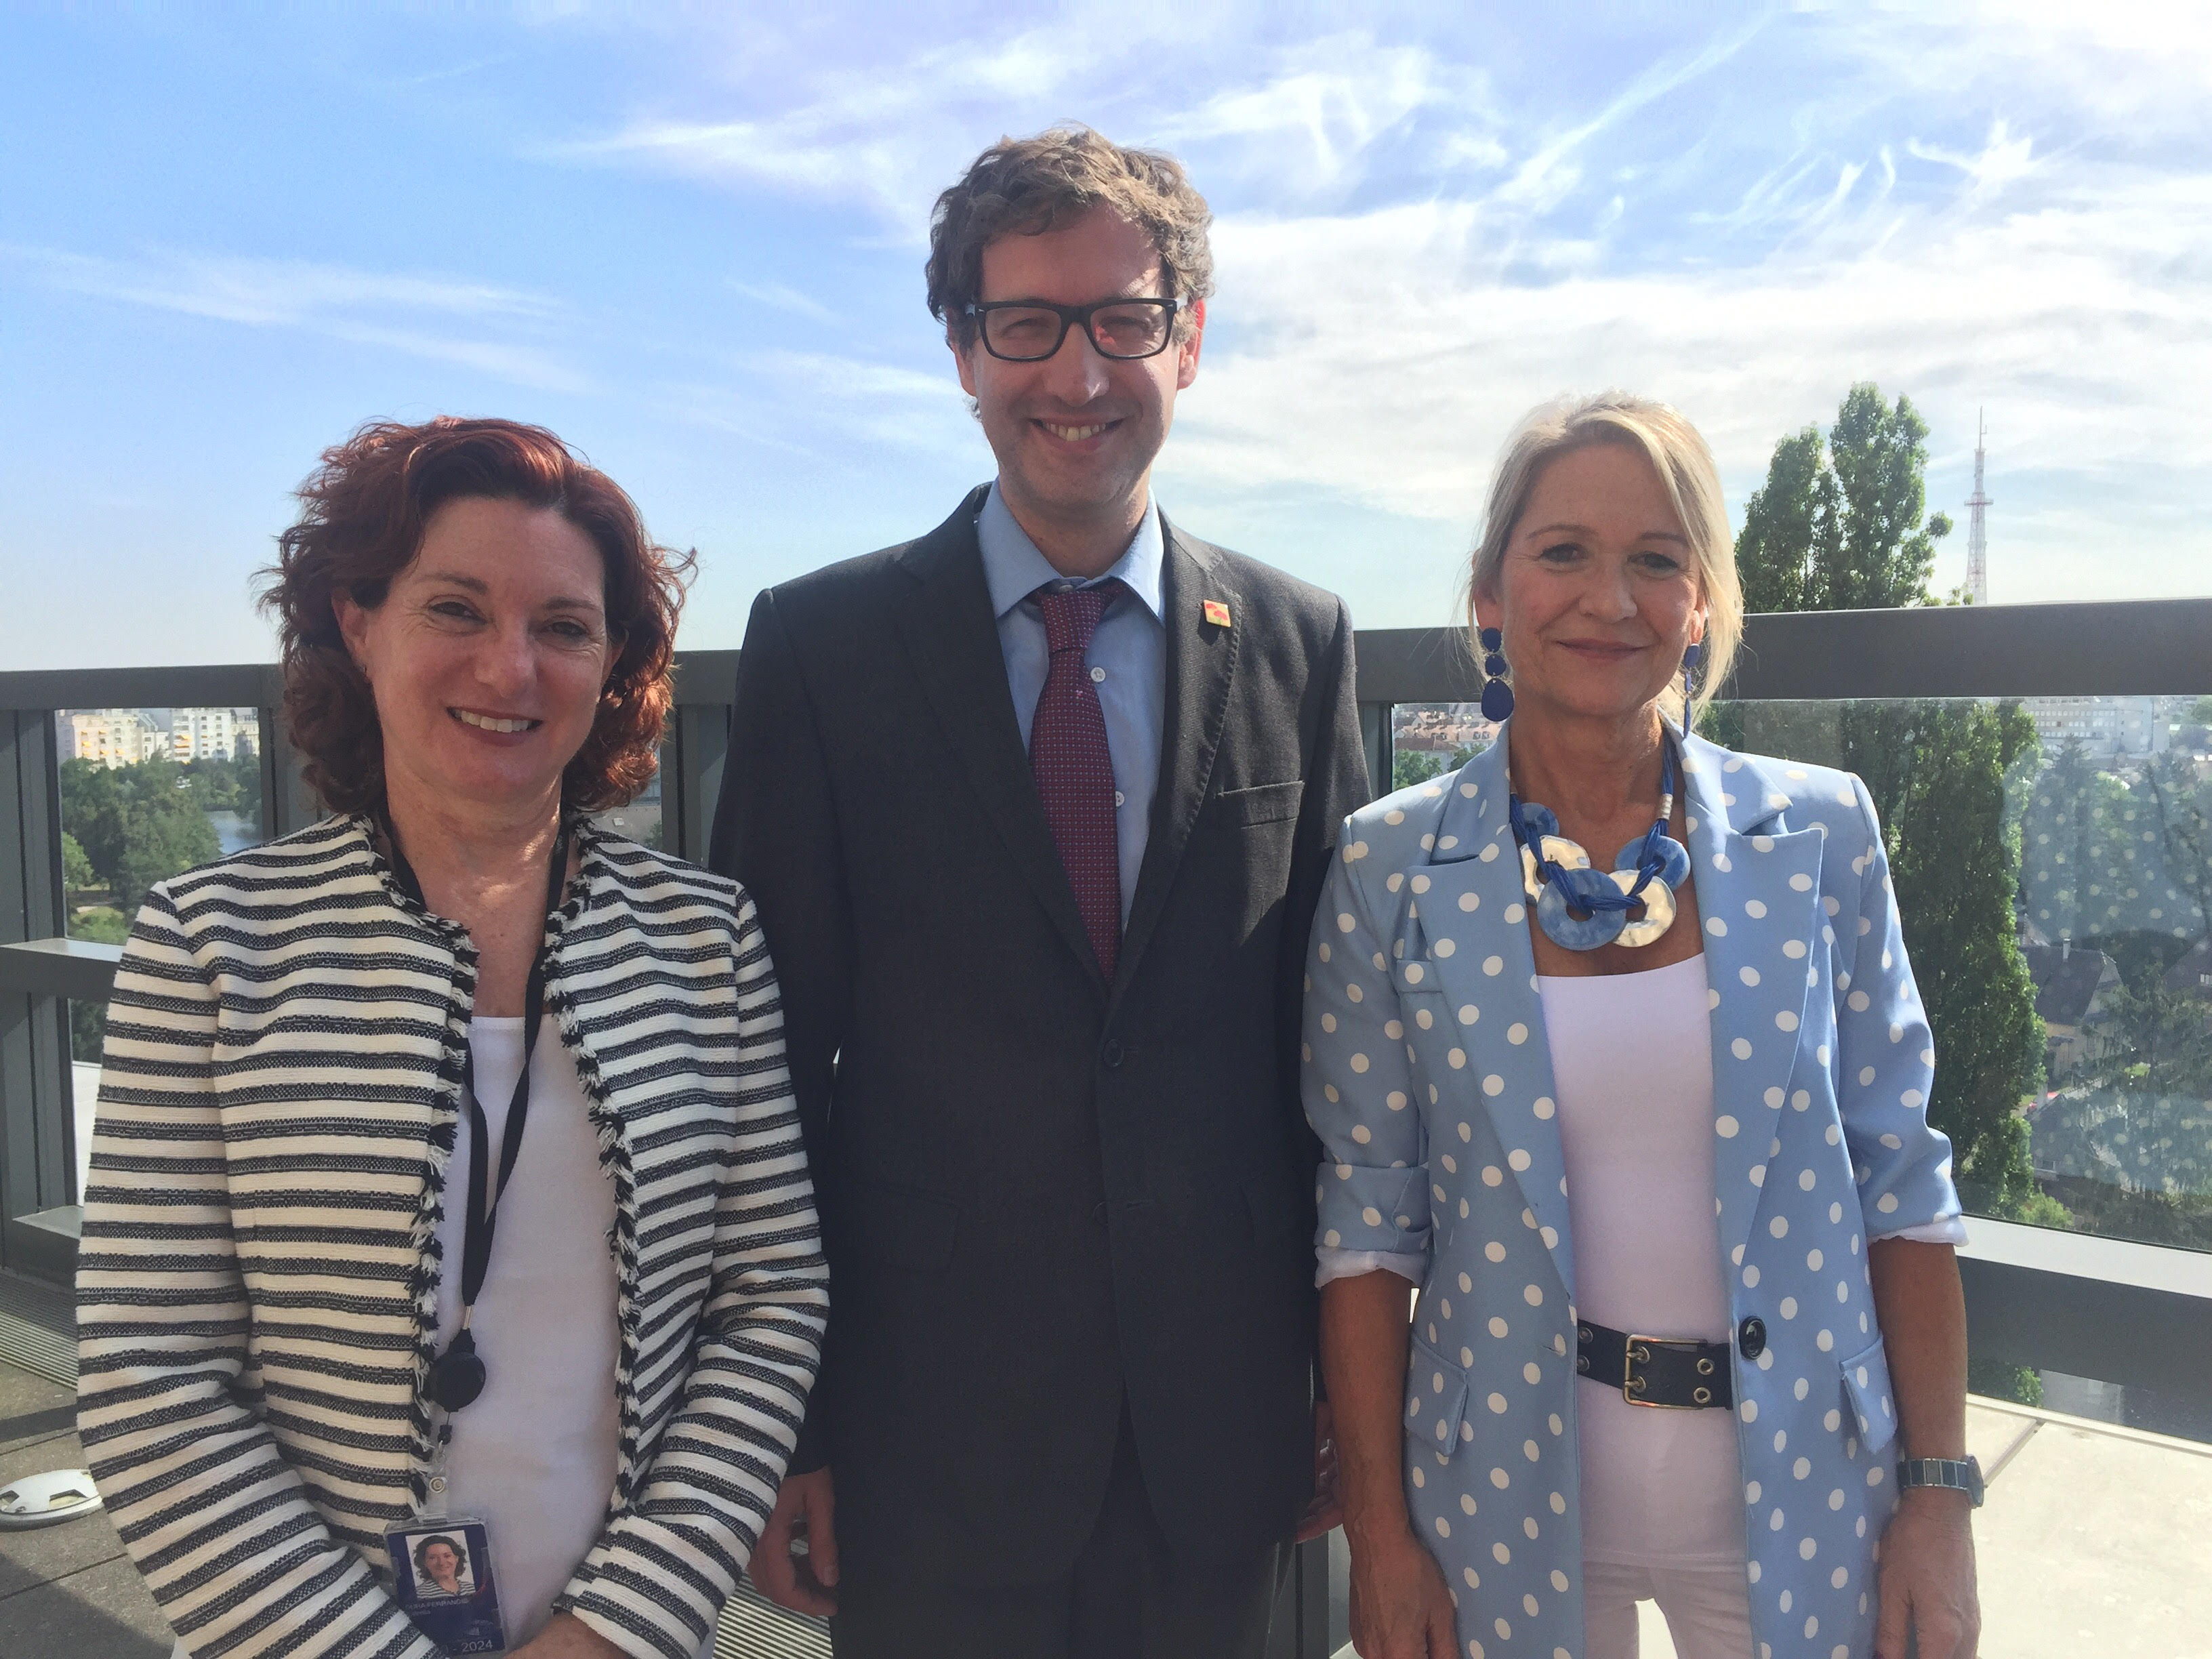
column 257, row 1278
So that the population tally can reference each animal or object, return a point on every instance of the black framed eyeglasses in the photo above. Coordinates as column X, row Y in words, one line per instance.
column 1030, row 330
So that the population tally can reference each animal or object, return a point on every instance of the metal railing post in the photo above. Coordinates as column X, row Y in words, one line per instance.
column 37, row 1126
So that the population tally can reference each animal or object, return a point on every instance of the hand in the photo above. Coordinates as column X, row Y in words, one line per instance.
column 1401, row 1608
column 1927, row 1577
column 566, row 1636
column 1326, row 1512
column 805, row 1504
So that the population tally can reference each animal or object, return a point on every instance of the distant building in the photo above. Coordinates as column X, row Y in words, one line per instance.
column 204, row 733
column 109, row 737
column 2192, row 976
column 2104, row 728
column 1441, row 728
column 2070, row 988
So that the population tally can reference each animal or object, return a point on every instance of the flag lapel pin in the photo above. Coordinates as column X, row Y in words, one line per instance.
column 1217, row 613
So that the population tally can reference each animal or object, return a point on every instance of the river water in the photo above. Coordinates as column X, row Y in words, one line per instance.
column 236, row 834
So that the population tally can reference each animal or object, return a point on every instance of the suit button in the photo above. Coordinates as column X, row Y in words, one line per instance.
column 1751, row 1337
column 1098, row 1213
column 1110, row 1055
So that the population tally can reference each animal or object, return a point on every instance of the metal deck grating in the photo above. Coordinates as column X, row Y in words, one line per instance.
column 753, row 1627
column 38, row 1330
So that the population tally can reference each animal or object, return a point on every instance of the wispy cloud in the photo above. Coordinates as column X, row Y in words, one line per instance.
column 781, row 296
column 872, row 136
column 1308, row 128
column 2001, row 161
column 2086, row 322
column 398, row 312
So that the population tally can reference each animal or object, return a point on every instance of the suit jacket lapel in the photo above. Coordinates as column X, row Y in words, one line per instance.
column 1758, row 899
column 1201, row 661
column 1479, row 952
column 952, row 639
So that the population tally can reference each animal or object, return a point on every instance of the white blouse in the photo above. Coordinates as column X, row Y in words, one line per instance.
column 535, row 1456
column 1631, row 1055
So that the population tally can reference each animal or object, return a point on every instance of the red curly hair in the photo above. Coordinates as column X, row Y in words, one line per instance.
column 363, row 513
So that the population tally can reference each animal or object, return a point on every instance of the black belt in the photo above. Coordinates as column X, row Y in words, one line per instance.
column 1681, row 1372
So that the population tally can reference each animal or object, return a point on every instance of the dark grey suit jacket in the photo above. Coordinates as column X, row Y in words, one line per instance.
column 1044, row 1195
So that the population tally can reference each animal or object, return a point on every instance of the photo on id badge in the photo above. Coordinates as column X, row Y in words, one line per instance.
column 442, row 1573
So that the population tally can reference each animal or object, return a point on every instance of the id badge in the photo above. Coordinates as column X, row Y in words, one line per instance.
column 442, row 1574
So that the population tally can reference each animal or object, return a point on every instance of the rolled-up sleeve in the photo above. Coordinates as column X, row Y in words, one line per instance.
column 1885, row 1063
column 1373, row 1187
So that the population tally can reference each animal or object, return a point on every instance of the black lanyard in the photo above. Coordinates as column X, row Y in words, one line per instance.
column 457, row 1375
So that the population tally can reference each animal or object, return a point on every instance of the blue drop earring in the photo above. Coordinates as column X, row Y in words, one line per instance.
column 1691, row 654
column 1497, row 694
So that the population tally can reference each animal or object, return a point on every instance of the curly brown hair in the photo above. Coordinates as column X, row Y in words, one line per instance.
column 1025, row 186
column 364, row 511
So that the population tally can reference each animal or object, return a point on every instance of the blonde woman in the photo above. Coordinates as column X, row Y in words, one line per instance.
column 1615, row 1053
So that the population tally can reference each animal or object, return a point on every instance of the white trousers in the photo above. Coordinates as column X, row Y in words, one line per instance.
column 1708, row 1609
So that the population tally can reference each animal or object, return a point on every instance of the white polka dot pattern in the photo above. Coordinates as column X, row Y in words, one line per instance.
column 1441, row 1145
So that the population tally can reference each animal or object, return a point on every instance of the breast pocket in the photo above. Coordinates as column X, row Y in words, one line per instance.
column 1263, row 803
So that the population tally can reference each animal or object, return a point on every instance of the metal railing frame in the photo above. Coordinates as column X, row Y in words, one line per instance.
column 2133, row 1314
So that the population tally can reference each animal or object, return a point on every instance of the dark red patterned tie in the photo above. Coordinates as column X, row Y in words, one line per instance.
column 1074, row 771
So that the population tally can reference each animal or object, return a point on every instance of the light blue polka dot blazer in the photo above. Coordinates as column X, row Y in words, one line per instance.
column 1428, row 1080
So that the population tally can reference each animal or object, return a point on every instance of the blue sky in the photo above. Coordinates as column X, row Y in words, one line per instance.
column 690, row 240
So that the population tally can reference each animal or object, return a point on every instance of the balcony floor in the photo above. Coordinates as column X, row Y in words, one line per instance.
column 2093, row 1541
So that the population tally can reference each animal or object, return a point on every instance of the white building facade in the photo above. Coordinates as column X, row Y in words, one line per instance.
column 2104, row 726
column 110, row 737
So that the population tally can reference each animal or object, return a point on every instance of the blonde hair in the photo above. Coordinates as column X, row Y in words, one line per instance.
column 1678, row 454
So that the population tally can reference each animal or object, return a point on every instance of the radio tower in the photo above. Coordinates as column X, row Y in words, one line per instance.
column 1977, row 527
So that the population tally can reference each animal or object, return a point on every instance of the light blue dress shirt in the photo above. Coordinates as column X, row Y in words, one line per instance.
column 1127, row 660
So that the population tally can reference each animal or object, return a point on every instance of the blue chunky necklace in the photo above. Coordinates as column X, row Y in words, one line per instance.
column 1557, row 874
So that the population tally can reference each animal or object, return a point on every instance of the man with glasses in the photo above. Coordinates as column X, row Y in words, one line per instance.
column 1036, row 809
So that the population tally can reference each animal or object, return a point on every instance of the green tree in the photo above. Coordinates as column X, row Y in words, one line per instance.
column 2180, row 809
column 1837, row 525
column 2111, row 856
column 77, row 874
column 89, row 1020
column 136, row 824
column 1937, row 773
column 1789, row 527
column 1411, row 766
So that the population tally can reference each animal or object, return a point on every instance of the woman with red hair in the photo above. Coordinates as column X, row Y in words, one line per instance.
column 447, row 1170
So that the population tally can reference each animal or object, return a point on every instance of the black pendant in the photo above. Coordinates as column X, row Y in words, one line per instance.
column 457, row 1375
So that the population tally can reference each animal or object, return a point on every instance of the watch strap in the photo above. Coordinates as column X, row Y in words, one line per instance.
column 1950, row 1474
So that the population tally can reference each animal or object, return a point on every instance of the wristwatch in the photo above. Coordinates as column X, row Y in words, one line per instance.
column 1953, row 1474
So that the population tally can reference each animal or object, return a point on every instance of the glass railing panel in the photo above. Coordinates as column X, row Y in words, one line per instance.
column 1428, row 740
column 87, row 1028
column 147, row 793
column 639, row 820
column 2053, row 864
